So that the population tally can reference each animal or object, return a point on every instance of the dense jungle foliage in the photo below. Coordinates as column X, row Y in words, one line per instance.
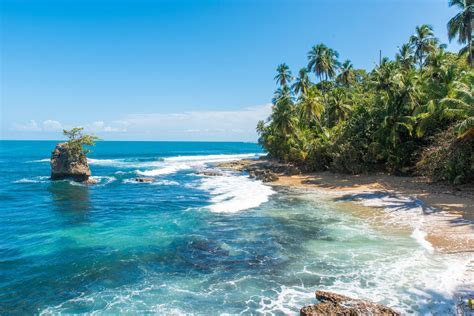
column 413, row 114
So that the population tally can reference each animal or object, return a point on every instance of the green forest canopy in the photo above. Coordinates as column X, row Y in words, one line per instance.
column 413, row 114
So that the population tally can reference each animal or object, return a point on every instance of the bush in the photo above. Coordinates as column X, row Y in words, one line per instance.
column 448, row 159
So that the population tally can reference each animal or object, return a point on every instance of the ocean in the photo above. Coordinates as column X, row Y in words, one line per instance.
column 194, row 244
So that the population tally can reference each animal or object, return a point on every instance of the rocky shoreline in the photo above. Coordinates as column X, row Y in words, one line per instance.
column 262, row 169
column 448, row 220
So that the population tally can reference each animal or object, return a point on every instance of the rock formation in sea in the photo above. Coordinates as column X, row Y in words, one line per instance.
column 336, row 304
column 144, row 180
column 66, row 165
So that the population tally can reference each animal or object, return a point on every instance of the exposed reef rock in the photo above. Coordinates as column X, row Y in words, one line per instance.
column 336, row 304
column 145, row 180
column 208, row 173
column 66, row 165
column 265, row 170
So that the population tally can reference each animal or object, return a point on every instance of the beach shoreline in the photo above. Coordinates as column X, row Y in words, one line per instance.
column 447, row 221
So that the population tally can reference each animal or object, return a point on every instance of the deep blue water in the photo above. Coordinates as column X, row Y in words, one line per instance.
column 189, row 243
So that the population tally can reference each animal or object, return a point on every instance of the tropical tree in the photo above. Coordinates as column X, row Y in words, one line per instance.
column 461, row 25
column 338, row 106
column 346, row 75
column 283, row 76
column 460, row 104
column 323, row 61
column 311, row 106
column 77, row 141
column 302, row 82
column 405, row 56
column 423, row 42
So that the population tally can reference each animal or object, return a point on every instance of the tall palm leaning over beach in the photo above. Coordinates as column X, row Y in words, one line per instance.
column 461, row 26
column 423, row 42
column 283, row 76
column 302, row 82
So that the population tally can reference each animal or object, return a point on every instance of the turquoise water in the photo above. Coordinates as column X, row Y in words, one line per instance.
column 194, row 244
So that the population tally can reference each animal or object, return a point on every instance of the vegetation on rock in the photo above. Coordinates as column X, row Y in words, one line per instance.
column 410, row 115
column 77, row 141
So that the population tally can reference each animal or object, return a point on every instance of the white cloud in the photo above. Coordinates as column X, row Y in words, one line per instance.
column 213, row 125
column 52, row 126
column 31, row 126
column 100, row 126
column 193, row 125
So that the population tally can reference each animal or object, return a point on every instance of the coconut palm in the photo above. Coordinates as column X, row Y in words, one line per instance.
column 346, row 76
column 423, row 42
column 311, row 106
column 405, row 56
column 302, row 82
column 460, row 104
column 338, row 106
column 283, row 76
column 323, row 61
column 316, row 60
column 331, row 63
column 461, row 25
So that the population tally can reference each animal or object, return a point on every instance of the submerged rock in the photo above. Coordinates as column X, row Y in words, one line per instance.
column 336, row 304
column 145, row 180
column 66, row 165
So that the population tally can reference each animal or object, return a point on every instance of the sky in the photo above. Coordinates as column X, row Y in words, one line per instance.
column 178, row 70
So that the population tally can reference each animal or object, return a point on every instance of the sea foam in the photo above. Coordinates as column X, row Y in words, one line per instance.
column 231, row 194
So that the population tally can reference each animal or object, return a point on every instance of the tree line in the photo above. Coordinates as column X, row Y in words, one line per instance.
column 413, row 114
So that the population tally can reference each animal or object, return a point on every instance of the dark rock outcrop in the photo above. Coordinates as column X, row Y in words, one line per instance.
column 263, row 169
column 336, row 304
column 145, row 180
column 66, row 165
column 264, row 175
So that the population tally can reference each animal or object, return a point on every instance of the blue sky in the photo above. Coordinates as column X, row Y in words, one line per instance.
column 178, row 70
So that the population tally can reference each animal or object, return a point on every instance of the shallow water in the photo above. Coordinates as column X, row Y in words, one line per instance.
column 194, row 244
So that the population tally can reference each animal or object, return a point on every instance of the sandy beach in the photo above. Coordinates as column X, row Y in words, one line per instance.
column 448, row 212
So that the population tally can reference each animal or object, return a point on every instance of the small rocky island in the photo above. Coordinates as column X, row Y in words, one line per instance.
column 69, row 159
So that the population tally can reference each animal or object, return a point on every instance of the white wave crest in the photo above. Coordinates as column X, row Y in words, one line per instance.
column 164, row 170
column 174, row 164
column 39, row 160
column 40, row 179
column 231, row 194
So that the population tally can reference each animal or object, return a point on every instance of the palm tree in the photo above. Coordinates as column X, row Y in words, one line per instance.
column 405, row 56
column 311, row 106
column 346, row 76
column 338, row 106
column 283, row 76
column 316, row 60
column 283, row 94
column 323, row 61
column 302, row 82
column 459, row 104
column 423, row 42
column 461, row 25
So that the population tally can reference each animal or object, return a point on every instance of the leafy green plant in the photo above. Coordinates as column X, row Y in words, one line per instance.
column 77, row 141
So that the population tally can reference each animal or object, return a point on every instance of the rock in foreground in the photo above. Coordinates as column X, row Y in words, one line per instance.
column 66, row 165
column 335, row 304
